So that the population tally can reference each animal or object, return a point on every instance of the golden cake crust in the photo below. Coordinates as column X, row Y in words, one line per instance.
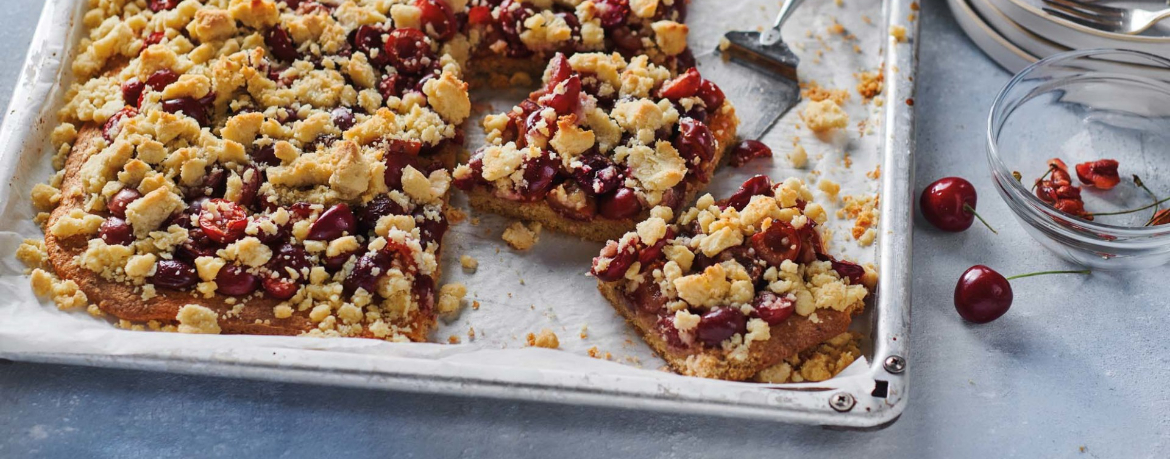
column 788, row 338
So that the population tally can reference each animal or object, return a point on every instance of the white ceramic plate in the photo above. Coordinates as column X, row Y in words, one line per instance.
column 998, row 48
column 1031, row 43
column 1028, row 14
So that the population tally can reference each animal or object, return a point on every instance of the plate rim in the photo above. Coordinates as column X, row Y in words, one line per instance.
column 1078, row 28
column 967, row 17
column 1034, row 42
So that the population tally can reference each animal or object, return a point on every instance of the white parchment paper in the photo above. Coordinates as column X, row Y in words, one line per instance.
column 517, row 293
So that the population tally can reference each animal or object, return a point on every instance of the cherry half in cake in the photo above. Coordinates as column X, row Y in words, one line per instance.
column 603, row 141
column 729, row 288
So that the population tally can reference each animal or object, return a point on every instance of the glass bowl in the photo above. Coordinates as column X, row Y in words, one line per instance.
column 1085, row 106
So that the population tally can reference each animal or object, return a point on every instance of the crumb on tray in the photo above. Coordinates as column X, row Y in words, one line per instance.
column 469, row 263
column 451, row 298
column 521, row 236
column 546, row 339
column 898, row 32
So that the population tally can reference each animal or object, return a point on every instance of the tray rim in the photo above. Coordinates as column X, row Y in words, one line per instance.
column 891, row 317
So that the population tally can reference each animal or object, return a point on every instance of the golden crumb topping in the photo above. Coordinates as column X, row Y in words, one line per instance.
column 723, row 273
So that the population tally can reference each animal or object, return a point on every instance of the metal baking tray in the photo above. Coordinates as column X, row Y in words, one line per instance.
column 874, row 403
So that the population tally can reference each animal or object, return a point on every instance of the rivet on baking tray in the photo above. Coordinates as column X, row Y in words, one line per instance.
column 842, row 402
column 895, row 364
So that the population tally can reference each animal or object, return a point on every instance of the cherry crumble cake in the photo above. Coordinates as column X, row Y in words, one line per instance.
column 732, row 288
column 282, row 166
column 602, row 142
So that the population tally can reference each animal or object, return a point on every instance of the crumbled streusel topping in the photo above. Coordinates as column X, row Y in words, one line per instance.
column 259, row 148
column 721, row 273
column 605, row 137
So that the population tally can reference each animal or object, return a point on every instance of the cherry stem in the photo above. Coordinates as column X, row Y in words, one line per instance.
column 1138, row 181
column 1041, row 273
column 968, row 208
column 1042, row 177
column 1130, row 211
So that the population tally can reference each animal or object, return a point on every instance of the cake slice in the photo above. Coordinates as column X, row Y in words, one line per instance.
column 288, row 175
column 601, row 143
column 731, row 288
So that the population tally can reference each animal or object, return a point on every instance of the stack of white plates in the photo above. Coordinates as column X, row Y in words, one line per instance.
column 1016, row 33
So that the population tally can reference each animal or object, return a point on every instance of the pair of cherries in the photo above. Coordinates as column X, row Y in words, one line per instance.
column 981, row 294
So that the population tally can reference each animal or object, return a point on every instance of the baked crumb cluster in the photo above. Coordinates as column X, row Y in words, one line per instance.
column 652, row 28
column 815, row 364
column 721, row 274
column 604, row 137
column 292, row 150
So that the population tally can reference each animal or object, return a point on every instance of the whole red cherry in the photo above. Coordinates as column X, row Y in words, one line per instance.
column 983, row 295
column 949, row 204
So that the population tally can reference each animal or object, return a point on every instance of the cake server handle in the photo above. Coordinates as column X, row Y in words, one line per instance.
column 772, row 36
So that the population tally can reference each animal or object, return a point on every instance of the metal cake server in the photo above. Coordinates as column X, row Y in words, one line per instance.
column 757, row 72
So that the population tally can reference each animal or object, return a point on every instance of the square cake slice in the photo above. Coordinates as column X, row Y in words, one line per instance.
column 271, row 180
column 731, row 288
column 600, row 144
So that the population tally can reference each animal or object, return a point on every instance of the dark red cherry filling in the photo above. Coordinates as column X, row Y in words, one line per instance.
column 408, row 50
column 564, row 97
column 682, row 86
column 598, row 175
column 648, row 298
column 778, row 243
column 773, row 308
column 853, row 271
column 747, row 151
column 225, row 223
column 188, row 106
column 115, row 231
column 174, row 274
column 437, row 18
column 162, row 5
column 234, row 280
column 121, row 199
column 695, row 142
column 366, row 272
column 711, row 94
column 619, row 261
column 132, row 91
column 613, row 13
column 620, row 204
column 539, row 173
column 113, row 126
column 281, row 45
column 332, row 224
column 719, row 324
column 759, row 185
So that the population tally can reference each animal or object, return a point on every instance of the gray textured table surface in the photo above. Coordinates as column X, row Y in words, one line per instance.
column 1078, row 368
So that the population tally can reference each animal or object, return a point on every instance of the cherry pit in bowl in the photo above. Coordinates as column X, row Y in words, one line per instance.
column 1079, row 149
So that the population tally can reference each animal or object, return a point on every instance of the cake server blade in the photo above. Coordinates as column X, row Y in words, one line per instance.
column 757, row 73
